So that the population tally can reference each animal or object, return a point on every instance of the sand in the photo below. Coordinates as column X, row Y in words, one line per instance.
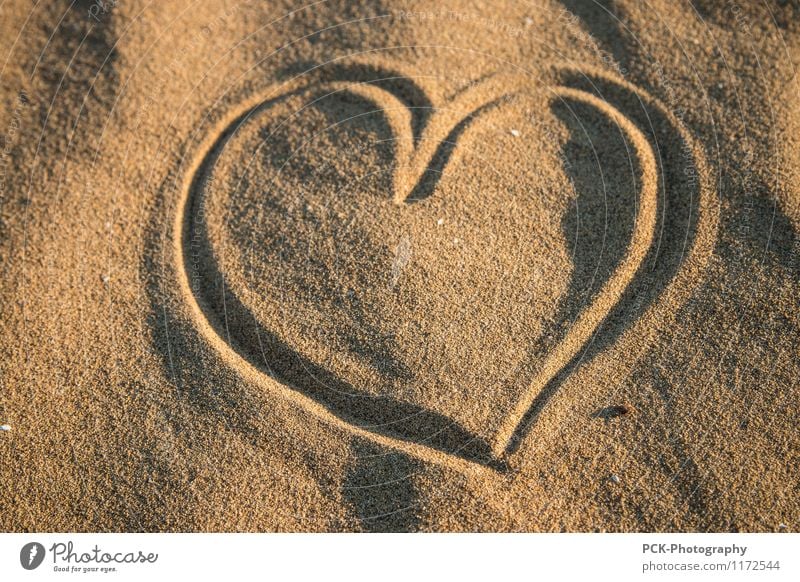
column 377, row 266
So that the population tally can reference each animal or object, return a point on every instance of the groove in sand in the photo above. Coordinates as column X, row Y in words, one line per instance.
column 414, row 158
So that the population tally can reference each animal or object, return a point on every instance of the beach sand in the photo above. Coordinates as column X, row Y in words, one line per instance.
column 383, row 266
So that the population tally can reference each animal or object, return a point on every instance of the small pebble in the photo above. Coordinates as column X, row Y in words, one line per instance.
column 614, row 479
column 783, row 526
column 456, row 241
column 515, row 132
column 528, row 21
column 105, row 278
column 5, row 427
column 440, row 222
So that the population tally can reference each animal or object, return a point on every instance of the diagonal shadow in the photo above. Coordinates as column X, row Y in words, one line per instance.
column 608, row 32
column 687, row 477
column 379, row 486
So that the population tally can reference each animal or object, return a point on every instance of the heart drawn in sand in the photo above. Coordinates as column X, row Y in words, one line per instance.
column 335, row 245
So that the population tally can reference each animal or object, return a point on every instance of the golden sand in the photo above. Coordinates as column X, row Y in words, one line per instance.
column 443, row 266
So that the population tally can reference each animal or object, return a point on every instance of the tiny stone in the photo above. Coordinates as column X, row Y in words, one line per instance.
column 456, row 241
column 614, row 479
column 783, row 526
column 5, row 427
column 105, row 278
column 440, row 222
column 528, row 21
column 515, row 132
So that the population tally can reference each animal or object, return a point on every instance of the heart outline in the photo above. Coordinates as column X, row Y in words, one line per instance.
column 511, row 426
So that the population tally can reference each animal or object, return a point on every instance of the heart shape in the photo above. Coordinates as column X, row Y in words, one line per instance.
column 420, row 142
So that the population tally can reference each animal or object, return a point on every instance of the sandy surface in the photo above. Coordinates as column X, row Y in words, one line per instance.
column 383, row 266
